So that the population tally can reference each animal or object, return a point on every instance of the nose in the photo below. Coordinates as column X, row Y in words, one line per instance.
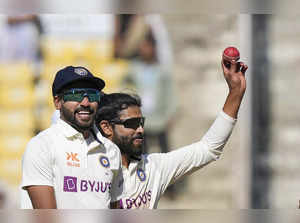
column 85, row 102
column 140, row 129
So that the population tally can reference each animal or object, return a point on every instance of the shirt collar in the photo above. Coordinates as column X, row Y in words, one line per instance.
column 67, row 130
column 137, row 164
column 71, row 133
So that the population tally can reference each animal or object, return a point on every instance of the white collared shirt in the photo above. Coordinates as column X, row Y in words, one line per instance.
column 82, row 171
column 145, row 181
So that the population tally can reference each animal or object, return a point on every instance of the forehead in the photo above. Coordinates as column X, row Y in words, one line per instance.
column 131, row 112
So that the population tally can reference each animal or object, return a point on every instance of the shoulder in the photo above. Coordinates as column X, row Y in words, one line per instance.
column 43, row 139
column 111, row 148
column 152, row 158
column 112, row 152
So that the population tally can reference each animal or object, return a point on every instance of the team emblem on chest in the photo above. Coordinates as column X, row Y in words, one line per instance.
column 104, row 161
column 141, row 174
column 72, row 159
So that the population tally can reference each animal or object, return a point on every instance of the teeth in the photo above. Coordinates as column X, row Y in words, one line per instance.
column 82, row 112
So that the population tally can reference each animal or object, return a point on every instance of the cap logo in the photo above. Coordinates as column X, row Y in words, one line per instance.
column 81, row 71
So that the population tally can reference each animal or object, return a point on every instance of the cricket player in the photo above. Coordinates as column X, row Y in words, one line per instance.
column 147, row 176
column 70, row 164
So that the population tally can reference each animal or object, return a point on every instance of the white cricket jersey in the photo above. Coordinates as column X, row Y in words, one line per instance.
column 146, row 180
column 81, row 171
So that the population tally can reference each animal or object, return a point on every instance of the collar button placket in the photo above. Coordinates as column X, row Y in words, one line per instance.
column 80, row 138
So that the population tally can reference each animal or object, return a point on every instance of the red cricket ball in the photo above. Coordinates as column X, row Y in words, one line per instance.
column 229, row 54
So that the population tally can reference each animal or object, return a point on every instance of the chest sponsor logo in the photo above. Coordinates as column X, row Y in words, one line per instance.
column 70, row 184
column 141, row 174
column 104, row 161
column 141, row 201
column 73, row 184
column 72, row 159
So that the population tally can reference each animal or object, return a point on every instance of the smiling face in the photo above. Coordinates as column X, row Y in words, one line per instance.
column 79, row 114
column 129, row 140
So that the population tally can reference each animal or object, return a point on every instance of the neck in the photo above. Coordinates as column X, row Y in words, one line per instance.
column 86, row 134
column 125, row 160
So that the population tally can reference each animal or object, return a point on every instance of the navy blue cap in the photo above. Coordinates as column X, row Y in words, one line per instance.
column 72, row 74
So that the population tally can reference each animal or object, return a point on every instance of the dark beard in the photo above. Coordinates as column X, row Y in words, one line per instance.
column 127, row 147
column 70, row 119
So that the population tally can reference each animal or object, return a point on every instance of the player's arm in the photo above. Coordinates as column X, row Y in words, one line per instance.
column 210, row 147
column 37, row 175
column 218, row 134
column 42, row 197
column 235, row 78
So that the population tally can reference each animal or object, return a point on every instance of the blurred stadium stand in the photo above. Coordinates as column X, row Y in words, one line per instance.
column 17, row 103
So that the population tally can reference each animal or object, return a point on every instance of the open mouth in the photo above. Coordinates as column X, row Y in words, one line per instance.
column 139, row 139
column 84, row 114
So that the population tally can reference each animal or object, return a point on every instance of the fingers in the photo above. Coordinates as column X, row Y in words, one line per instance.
column 234, row 67
column 231, row 66
column 244, row 68
column 223, row 65
column 238, row 67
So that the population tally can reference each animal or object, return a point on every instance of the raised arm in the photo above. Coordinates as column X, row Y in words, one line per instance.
column 191, row 158
column 235, row 78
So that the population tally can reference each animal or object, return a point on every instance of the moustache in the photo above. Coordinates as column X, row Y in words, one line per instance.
column 138, row 137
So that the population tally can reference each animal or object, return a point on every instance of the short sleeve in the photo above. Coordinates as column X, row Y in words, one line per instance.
column 37, row 164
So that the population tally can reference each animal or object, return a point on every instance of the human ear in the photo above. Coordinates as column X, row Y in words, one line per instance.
column 106, row 128
column 57, row 102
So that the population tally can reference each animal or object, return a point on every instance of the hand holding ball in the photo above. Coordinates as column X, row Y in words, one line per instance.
column 229, row 54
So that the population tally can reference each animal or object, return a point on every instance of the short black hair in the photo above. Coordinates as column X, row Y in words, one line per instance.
column 111, row 105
